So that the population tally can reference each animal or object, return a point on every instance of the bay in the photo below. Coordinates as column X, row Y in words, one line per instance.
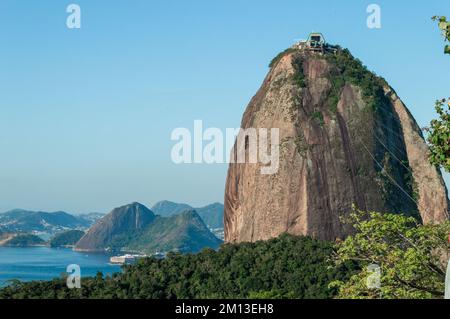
column 44, row 263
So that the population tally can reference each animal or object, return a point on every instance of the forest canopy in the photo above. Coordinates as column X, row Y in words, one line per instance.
column 286, row 267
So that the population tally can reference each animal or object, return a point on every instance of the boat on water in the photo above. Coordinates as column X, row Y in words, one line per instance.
column 125, row 259
column 130, row 259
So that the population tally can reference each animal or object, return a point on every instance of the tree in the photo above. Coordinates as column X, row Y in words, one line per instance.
column 439, row 131
column 412, row 257
column 439, row 135
column 444, row 25
column 284, row 267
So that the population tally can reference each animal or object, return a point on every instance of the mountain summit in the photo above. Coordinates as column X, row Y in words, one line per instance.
column 345, row 138
column 21, row 221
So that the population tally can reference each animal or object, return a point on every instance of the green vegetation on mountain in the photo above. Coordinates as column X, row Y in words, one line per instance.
column 185, row 232
column 136, row 228
column 352, row 71
column 67, row 238
column 167, row 208
column 111, row 231
column 349, row 70
column 211, row 214
column 299, row 76
column 24, row 240
column 286, row 267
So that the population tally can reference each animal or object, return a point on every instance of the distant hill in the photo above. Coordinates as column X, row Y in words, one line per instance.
column 67, row 238
column 91, row 218
column 211, row 214
column 120, row 223
column 25, row 240
column 21, row 221
column 167, row 208
column 136, row 228
column 185, row 232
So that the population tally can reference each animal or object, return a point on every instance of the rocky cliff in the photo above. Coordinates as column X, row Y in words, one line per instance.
column 345, row 138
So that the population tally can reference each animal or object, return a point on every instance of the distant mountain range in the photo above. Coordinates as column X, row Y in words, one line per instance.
column 211, row 214
column 134, row 227
column 23, row 221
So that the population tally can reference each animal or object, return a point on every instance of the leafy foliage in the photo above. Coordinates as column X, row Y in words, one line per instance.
column 287, row 267
column 439, row 135
column 444, row 25
column 410, row 256
column 439, row 131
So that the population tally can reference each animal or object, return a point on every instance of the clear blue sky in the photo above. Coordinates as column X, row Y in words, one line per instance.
column 86, row 115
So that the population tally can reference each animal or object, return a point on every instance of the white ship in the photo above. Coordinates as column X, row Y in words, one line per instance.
column 130, row 259
column 125, row 259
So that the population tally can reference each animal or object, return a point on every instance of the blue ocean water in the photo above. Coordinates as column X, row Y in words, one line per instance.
column 44, row 263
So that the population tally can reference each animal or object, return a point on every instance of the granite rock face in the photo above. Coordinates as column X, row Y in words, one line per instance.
column 345, row 138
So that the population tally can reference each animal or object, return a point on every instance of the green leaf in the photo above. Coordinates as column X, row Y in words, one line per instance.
column 443, row 25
